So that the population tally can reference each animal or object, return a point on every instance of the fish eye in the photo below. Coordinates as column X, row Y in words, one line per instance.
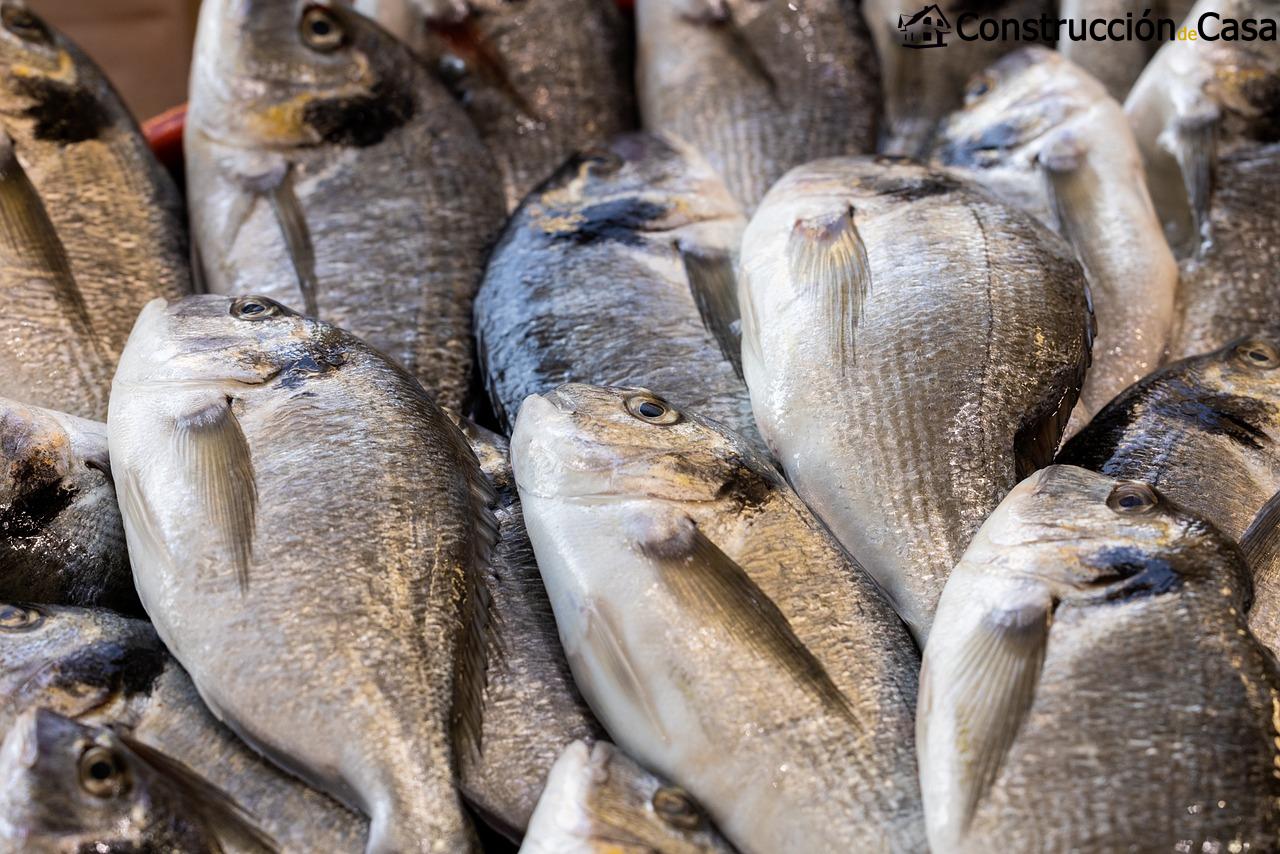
column 648, row 408
column 23, row 24
column 1132, row 498
column 16, row 618
column 102, row 773
column 321, row 30
column 1256, row 353
column 676, row 808
column 255, row 308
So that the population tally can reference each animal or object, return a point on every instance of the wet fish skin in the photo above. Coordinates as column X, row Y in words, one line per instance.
column 104, row 669
column 1116, row 64
column 758, row 87
column 62, row 541
column 69, row 787
column 906, row 383
column 228, row 418
column 641, row 223
column 715, row 627
column 343, row 179
column 922, row 85
column 1043, row 135
column 598, row 800
column 114, row 208
column 1090, row 682
column 532, row 113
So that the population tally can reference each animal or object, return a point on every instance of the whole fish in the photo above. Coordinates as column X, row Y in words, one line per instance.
column 103, row 669
column 50, row 353
column 61, row 539
column 1116, row 64
column 343, row 637
column 619, row 271
column 532, row 709
column 114, row 208
column 1090, row 683
column 598, row 800
column 722, row 636
column 67, row 788
column 913, row 348
column 758, row 87
column 326, row 167
column 1043, row 135
column 1206, row 432
column 925, row 64
column 532, row 112
column 1198, row 101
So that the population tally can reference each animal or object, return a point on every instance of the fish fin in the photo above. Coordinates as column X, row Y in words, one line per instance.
column 1192, row 138
column 602, row 635
column 297, row 239
column 828, row 260
column 990, row 687
column 134, row 507
column 225, row 818
column 713, row 584
column 216, row 453
column 715, row 290
column 27, row 233
column 1261, row 544
column 1071, row 186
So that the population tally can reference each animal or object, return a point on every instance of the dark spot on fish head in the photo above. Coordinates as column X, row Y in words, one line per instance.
column 623, row 220
column 359, row 121
column 984, row 150
column 1125, row 573
column 61, row 112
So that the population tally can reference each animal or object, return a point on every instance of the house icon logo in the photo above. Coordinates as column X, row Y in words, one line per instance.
column 926, row 28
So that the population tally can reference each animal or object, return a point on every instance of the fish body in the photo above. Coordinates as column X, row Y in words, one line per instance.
column 328, row 169
column 913, row 347
column 1042, row 134
column 1116, row 64
column 721, row 635
column 758, row 87
column 103, row 669
column 532, row 111
column 62, row 542
column 1090, row 682
column 619, row 270
column 598, row 800
column 231, row 422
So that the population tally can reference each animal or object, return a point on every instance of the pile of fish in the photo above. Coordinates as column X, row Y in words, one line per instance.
column 718, row 428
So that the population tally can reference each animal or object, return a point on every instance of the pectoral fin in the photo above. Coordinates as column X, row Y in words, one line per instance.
column 828, row 261
column 1261, row 547
column 297, row 239
column 1072, row 189
column 715, row 291
column 1191, row 139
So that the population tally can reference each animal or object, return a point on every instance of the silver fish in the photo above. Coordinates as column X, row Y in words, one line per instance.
column 722, row 636
column 599, row 801
column 61, row 539
column 229, row 419
column 67, row 788
column 1116, row 64
column 532, row 110
column 619, row 270
column 913, row 348
column 758, row 87
column 1043, row 135
column 1090, row 683
column 327, row 168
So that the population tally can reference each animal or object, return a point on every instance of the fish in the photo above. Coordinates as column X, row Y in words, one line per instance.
column 1040, row 133
column 61, row 538
column 51, row 355
column 68, row 787
column 103, row 669
column 231, row 421
column 619, row 271
column 758, row 88
column 1205, row 431
column 327, row 168
column 532, row 709
column 721, row 635
column 1116, row 64
column 1090, row 682
column 532, row 113
column 923, row 82
column 1198, row 101
column 116, row 212
column 598, row 800
column 913, row 348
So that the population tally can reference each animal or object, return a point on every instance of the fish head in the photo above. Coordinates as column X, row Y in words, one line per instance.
column 292, row 73
column 1238, row 389
column 226, row 342
column 591, row 442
